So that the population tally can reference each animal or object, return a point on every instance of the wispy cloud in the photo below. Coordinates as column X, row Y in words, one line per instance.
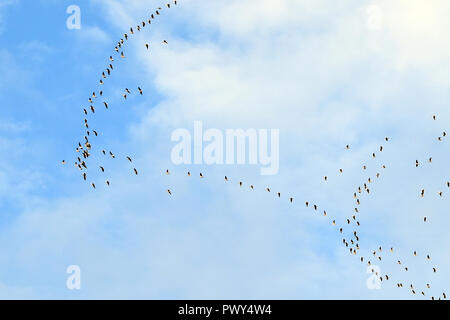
column 3, row 5
column 92, row 35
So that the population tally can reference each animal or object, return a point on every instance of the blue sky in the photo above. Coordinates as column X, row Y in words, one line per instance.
column 324, row 74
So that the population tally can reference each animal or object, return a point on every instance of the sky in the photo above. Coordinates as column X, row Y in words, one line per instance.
column 324, row 74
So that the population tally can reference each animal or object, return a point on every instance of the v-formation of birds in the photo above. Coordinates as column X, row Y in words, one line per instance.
column 351, row 223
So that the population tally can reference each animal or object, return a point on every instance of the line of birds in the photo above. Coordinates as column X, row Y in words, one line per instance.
column 84, row 150
column 352, row 243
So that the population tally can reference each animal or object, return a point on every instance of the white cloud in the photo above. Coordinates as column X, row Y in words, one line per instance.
column 13, row 127
column 3, row 5
column 315, row 71
column 92, row 34
column 36, row 50
column 323, row 80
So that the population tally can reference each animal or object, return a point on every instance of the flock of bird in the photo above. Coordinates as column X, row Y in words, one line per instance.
column 351, row 238
column 85, row 149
